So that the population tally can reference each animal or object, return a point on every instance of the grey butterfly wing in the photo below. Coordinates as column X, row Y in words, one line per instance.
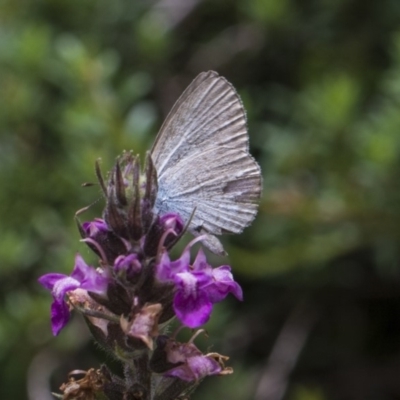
column 223, row 184
column 202, row 161
column 209, row 112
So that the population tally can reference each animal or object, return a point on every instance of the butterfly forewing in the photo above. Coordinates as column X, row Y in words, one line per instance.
column 209, row 112
column 202, row 159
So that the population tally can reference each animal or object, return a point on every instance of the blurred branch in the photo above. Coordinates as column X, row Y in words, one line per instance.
column 39, row 373
column 224, row 47
column 174, row 11
column 284, row 355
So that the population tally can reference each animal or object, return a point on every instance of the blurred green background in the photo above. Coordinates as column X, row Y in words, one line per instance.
column 320, row 266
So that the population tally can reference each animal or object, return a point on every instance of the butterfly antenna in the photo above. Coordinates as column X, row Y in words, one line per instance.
column 185, row 228
column 82, row 210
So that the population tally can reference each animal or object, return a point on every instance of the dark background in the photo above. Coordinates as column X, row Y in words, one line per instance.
column 320, row 266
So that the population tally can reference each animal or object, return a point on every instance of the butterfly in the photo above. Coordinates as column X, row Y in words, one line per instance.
column 205, row 172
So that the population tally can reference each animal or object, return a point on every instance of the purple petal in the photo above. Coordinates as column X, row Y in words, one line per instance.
column 88, row 277
column 167, row 269
column 83, row 276
column 92, row 228
column 223, row 284
column 202, row 366
column 80, row 269
column 192, row 306
column 59, row 316
column 182, row 372
column 62, row 286
column 181, row 264
column 59, row 285
column 172, row 221
column 130, row 264
column 163, row 270
column 195, row 368
column 49, row 280
column 200, row 263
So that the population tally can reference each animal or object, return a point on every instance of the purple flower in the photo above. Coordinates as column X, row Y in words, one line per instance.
column 83, row 276
column 195, row 368
column 93, row 228
column 143, row 324
column 128, row 264
column 167, row 269
column 197, row 286
column 169, row 227
column 192, row 304
column 222, row 284
column 193, row 365
column 172, row 221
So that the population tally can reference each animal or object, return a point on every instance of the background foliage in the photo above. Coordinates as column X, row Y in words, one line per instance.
column 320, row 266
